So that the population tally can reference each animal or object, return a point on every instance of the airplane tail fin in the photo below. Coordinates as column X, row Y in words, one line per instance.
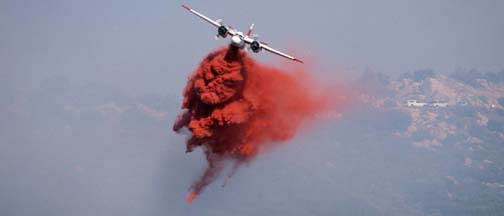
column 250, row 29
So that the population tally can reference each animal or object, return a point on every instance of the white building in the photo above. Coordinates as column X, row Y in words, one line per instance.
column 439, row 104
column 415, row 103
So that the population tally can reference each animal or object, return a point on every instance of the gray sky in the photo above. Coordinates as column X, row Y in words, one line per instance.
column 151, row 46
column 65, row 150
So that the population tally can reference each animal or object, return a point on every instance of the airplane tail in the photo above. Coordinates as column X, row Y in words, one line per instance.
column 250, row 29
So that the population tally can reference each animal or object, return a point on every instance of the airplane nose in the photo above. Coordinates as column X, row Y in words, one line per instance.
column 237, row 41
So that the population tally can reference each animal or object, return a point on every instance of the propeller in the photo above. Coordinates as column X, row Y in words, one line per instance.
column 256, row 38
column 231, row 28
column 216, row 37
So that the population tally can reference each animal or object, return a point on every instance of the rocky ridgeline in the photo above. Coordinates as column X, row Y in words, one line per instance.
column 475, row 103
column 467, row 136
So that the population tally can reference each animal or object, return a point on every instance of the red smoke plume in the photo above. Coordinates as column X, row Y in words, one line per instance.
column 235, row 108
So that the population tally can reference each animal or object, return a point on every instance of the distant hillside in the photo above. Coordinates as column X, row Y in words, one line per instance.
column 469, row 132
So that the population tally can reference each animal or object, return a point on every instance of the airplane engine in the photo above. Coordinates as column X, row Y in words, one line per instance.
column 255, row 46
column 222, row 31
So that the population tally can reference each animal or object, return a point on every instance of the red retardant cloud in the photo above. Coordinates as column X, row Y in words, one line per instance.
column 236, row 108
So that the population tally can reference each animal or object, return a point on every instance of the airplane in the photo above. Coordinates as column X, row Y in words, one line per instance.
column 238, row 39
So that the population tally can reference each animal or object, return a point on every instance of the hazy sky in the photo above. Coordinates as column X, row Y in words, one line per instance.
column 63, row 153
column 151, row 46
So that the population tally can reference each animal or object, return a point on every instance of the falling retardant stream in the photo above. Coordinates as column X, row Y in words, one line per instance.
column 236, row 108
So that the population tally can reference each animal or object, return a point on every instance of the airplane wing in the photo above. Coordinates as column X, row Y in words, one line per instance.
column 211, row 21
column 274, row 51
column 249, row 40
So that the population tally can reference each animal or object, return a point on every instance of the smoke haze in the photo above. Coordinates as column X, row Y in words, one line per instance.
column 89, row 91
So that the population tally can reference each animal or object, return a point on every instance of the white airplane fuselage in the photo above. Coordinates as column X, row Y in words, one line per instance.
column 237, row 40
